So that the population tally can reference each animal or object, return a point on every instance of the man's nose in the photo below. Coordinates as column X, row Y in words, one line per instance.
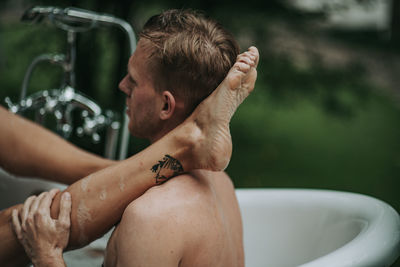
column 122, row 86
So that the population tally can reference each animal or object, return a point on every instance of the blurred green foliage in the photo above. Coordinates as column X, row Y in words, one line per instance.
column 314, row 126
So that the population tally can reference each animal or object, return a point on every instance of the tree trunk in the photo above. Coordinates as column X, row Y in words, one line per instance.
column 395, row 22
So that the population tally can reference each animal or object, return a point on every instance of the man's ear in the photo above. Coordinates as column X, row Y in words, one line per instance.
column 169, row 105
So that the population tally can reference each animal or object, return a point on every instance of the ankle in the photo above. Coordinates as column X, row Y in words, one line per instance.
column 188, row 138
column 204, row 150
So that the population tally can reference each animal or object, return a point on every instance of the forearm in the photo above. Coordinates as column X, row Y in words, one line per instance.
column 30, row 150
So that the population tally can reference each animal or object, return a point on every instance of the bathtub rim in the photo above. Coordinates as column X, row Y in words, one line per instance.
column 384, row 226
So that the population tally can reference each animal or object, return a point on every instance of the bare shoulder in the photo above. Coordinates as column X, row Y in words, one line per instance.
column 151, row 229
column 180, row 202
column 159, row 221
column 175, row 218
column 178, row 195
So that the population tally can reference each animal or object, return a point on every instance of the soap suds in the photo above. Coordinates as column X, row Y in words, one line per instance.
column 83, row 215
column 121, row 183
column 85, row 183
column 103, row 194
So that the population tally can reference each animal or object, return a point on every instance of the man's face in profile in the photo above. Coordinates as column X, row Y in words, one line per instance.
column 142, row 100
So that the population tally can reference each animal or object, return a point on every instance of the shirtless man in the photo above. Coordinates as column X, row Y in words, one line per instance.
column 193, row 219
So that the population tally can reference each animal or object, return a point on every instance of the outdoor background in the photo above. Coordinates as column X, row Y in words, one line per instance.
column 325, row 112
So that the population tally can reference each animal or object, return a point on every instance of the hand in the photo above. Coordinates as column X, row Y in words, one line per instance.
column 43, row 238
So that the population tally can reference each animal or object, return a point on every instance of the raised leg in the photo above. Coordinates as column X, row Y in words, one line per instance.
column 213, row 115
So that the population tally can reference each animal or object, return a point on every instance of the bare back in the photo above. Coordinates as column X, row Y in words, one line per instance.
column 192, row 220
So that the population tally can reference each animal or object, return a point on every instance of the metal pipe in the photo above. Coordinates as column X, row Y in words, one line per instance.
column 52, row 58
column 127, row 28
column 61, row 17
column 123, row 147
column 112, row 139
column 88, row 16
column 71, row 59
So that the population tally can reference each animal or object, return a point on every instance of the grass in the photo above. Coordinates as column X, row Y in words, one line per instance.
column 297, row 145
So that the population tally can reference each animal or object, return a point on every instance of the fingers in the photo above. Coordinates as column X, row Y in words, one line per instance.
column 16, row 224
column 35, row 204
column 65, row 209
column 37, row 232
column 25, row 210
column 46, row 201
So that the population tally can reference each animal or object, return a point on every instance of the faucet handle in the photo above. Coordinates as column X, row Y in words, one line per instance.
column 65, row 129
column 91, row 126
column 25, row 103
column 11, row 106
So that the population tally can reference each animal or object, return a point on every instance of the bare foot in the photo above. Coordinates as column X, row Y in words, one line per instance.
column 211, row 118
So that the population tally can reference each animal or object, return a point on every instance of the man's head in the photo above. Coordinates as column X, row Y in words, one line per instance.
column 182, row 57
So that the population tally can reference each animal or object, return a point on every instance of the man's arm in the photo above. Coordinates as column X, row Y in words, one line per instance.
column 28, row 149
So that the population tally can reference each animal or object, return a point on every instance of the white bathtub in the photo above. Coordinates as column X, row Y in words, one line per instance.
column 305, row 228
column 311, row 228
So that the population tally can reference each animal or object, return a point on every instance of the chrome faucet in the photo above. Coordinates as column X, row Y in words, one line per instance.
column 62, row 101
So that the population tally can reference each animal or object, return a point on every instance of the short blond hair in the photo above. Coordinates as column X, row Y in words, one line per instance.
column 190, row 54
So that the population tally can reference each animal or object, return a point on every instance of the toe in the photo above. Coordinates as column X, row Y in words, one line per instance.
column 254, row 51
column 242, row 67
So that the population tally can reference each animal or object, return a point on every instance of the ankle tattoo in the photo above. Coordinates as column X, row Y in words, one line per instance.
column 166, row 168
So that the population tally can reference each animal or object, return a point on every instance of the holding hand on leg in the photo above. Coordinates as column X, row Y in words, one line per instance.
column 42, row 237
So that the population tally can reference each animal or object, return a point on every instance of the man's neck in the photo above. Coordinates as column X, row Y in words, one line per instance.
column 163, row 131
column 156, row 137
